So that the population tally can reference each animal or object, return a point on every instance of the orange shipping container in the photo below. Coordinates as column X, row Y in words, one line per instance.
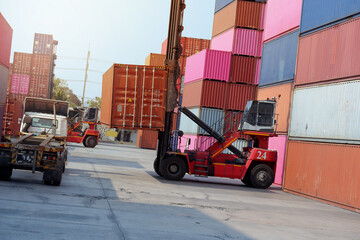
column 133, row 97
column 328, row 172
column 147, row 139
column 239, row 14
column 190, row 46
column 282, row 94
column 22, row 63
column 155, row 59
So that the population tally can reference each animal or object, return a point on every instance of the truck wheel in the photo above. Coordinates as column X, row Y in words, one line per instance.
column 247, row 181
column 91, row 142
column 84, row 142
column 52, row 177
column 173, row 168
column 157, row 167
column 5, row 173
column 262, row 176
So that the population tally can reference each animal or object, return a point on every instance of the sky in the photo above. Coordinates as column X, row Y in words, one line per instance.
column 115, row 31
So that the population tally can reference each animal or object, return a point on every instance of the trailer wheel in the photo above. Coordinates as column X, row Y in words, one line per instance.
column 262, row 176
column 173, row 168
column 52, row 177
column 157, row 167
column 91, row 141
column 5, row 172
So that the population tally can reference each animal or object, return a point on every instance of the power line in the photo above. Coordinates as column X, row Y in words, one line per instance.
column 71, row 69
column 72, row 58
column 72, row 80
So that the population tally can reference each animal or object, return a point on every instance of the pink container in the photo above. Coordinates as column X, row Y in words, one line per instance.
column 184, row 139
column 208, row 64
column 282, row 16
column 257, row 73
column 239, row 41
column 20, row 83
column 204, row 142
column 279, row 143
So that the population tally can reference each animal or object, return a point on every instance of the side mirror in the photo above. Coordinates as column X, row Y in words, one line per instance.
column 180, row 133
column 27, row 119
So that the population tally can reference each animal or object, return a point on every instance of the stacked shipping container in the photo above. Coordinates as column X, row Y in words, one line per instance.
column 221, row 80
column 324, row 132
column 31, row 74
column 278, row 68
column 5, row 50
column 148, row 138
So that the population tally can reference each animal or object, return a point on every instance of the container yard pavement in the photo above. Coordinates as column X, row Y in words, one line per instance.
column 111, row 192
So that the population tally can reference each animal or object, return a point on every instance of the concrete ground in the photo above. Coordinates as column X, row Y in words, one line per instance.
column 111, row 192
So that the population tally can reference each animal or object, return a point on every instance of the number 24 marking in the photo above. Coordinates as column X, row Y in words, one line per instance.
column 260, row 155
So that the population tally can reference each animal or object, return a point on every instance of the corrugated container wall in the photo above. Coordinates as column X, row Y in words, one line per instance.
column 243, row 69
column 5, row 42
column 147, row 139
column 19, row 84
column 328, row 112
column 316, row 14
column 39, row 86
column 4, row 73
column 279, row 60
column 22, row 63
column 282, row 94
column 133, row 97
column 190, row 46
column 205, row 93
column 243, row 14
column 325, row 171
column 184, row 140
column 12, row 117
column 212, row 117
column 2, row 111
column 239, row 41
column 9, row 80
column 154, row 59
column 238, row 95
column 329, row 54
column 208, row 64
column 279, row 144
column 43, row 44
column 282, row 16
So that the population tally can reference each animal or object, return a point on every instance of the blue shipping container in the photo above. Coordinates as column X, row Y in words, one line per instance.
column 279, row 60
column 320, row 13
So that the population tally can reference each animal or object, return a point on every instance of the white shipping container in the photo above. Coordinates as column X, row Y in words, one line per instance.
column 213, row 117
column 328, row 113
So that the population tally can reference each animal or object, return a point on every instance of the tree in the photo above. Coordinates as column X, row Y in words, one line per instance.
column 94, row 103
column 61, row 91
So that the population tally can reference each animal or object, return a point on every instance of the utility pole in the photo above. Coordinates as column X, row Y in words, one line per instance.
column 86, row 75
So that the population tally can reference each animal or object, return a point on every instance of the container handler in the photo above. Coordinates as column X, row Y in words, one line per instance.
column 255, row 165
column 82, row 126
column 41, row 145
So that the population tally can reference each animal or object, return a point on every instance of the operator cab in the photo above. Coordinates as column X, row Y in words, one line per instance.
column 258, row 116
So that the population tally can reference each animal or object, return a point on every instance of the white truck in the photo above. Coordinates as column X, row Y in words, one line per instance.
column 41, row 145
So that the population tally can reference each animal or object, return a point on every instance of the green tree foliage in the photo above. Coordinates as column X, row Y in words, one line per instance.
column 61, row 91
column 94, row 103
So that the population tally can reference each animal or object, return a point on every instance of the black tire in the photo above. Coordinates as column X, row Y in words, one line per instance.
column 173, row 168
column 247, row 181
column 91, row 141
column 5, row 173
column 52, row 177
column 157, row 167
column 262, row 176
column 84, row 142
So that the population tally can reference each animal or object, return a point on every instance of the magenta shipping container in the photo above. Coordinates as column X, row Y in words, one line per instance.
column 239, row 41
column 279, row 143
column 329, row 54
column 208, row 64
column 5, row 42
column 20, row 83
column 282, row 16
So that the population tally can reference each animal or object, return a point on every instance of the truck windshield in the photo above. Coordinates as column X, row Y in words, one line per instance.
column 43, row 122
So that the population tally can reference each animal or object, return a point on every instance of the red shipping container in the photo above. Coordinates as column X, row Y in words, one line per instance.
column 12, row 117
column 329, row 54
column 39, row 86
column 5, row 42
column 325, row 171
column 147, row 139
column 133, row 97
column 190, row 46
column 22, row 63
column 2, row 110
column 243, row 69
column 238, row 95
column 40, row 65
column 205, row 93
column 9, row 80
column 43, row 44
